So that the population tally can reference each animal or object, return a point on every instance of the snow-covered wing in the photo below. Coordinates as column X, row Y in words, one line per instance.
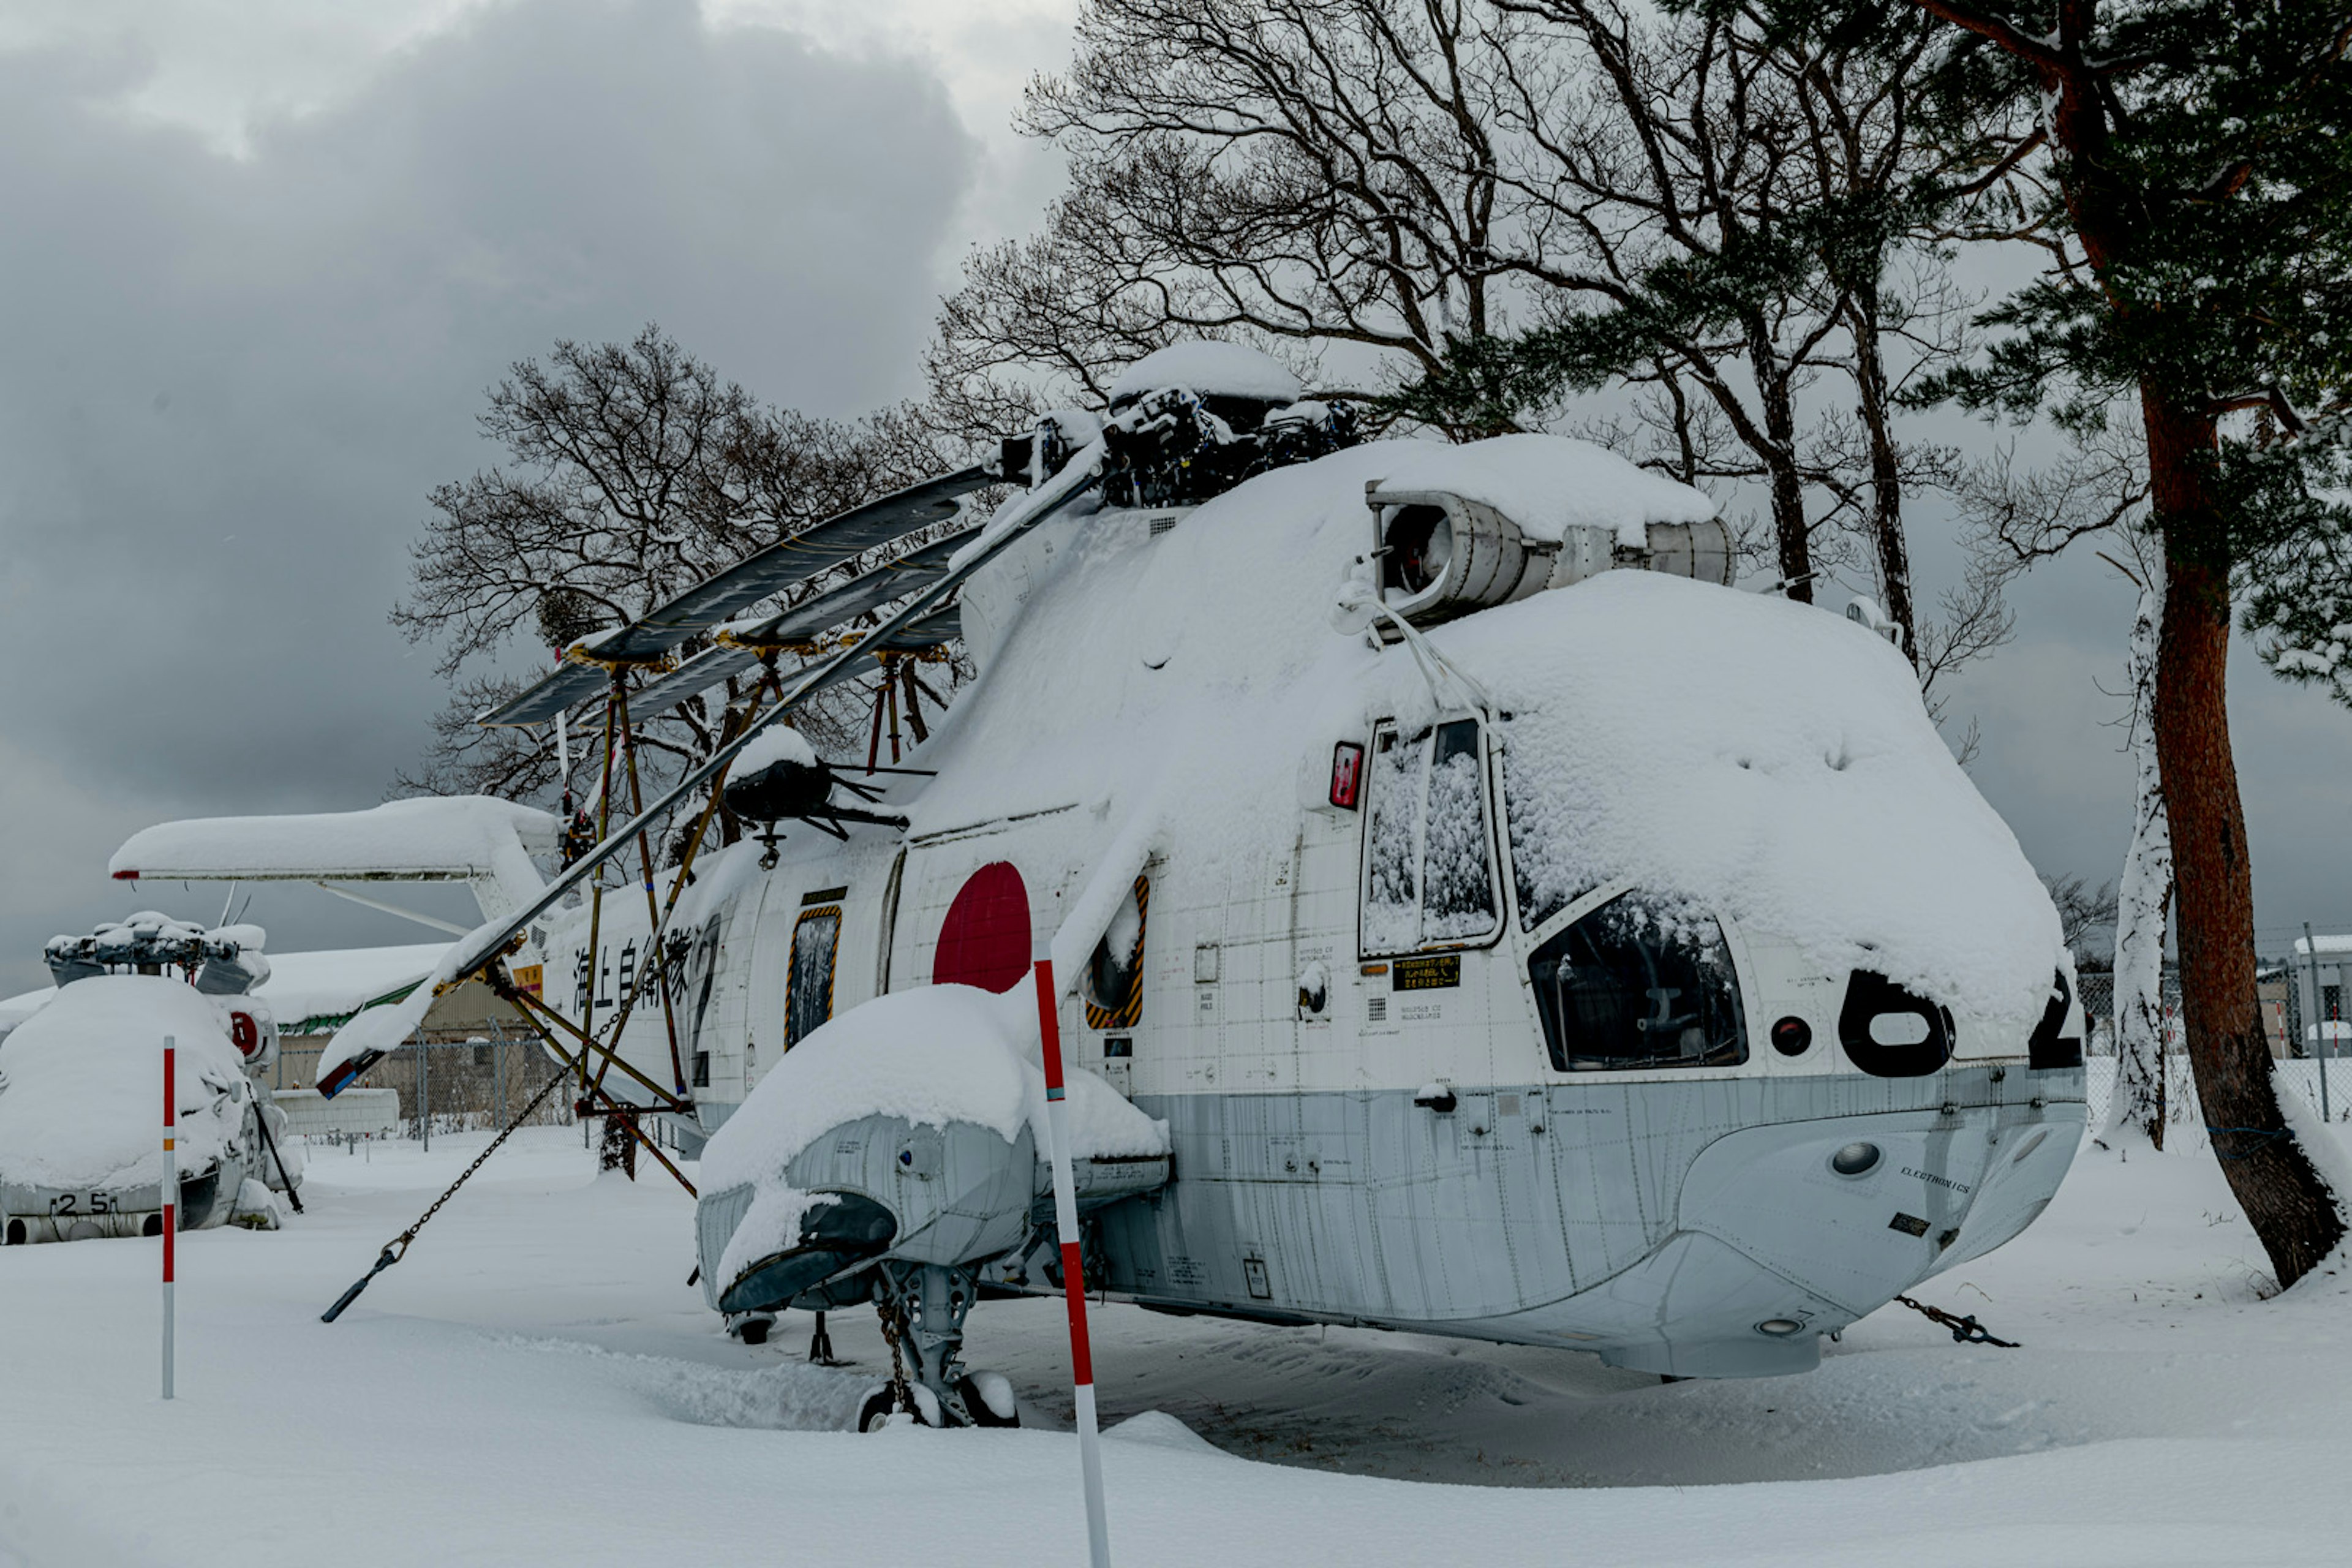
column 473, row 838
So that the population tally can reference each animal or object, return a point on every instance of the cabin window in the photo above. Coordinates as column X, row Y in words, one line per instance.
column 1115, row 973
column 1637, row 984
column 1428, row 848
column 808, row 991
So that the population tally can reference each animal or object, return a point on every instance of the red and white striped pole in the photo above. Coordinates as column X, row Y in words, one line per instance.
column 1073, row 1284
column 170, row 1193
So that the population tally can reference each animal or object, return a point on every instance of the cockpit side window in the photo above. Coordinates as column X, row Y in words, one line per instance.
column 1428, row 848
column 1391, row 843
column 1639, row 984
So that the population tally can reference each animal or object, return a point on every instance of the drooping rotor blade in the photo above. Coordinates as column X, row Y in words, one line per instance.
column 937, row 629
column 795, row 560
column 697, row 675
column 802, row 623
column 891, row 579
column 361, row 1043
column 814, row 550
column 571, row 684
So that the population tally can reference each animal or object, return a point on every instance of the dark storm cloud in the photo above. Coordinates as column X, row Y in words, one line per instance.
column 225, row 385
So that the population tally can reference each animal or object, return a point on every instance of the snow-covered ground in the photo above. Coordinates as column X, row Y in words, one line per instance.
column 537, row 1382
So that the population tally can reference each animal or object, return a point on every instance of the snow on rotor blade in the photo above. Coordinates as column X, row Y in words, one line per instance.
column 891, row 579
column 569, row 686
column 805, row 622
column 1078, row 476
column 696, row 676
column 792, row 561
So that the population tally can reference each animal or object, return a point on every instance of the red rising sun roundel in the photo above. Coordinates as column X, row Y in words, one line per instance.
column 985, row 942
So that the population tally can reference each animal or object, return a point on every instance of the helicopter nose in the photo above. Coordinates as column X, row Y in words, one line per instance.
column 1785, row 1232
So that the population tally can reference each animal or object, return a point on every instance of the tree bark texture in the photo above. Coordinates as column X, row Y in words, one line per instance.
column 2143, row 905
column 1887, row 543
column 2287, row 1203
column 1791, row 531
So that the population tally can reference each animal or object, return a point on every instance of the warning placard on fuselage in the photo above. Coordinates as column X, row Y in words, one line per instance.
column 1435, row 973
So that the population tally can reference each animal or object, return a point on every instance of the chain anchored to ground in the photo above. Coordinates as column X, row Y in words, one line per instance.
column 1965, row 1331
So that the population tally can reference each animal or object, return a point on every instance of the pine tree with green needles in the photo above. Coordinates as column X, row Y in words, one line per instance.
column 2198, row 160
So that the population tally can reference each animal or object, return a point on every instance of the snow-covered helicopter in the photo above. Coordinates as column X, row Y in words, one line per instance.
column 80, row 1081
column 1473, row 915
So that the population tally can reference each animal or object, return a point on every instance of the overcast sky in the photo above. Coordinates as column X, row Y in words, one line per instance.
column 259, row 259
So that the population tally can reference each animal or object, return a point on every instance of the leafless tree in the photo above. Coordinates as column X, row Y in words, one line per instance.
column 1714, row 217
column 633, row 472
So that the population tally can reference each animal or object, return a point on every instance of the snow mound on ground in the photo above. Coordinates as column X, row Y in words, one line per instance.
column 930, row 1056
column 1161, row 1430
column 1209, row 368
column 83, row 1101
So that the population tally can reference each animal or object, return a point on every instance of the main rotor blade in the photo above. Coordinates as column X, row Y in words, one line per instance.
column 1076, row 478
column 764, row 572
column 891, row 579
column 794, row 559
column 697, row 675
column 569, row 686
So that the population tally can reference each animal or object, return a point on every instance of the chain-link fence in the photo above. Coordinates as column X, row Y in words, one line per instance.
column 2281, row 1020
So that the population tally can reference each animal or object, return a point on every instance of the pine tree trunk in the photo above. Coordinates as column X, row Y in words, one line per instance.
column 2143, row 905
column 1885, row 473
column 1789, row 530
column 2291, row 1209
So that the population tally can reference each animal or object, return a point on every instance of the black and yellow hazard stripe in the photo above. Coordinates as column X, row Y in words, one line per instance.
column 1130, row 1006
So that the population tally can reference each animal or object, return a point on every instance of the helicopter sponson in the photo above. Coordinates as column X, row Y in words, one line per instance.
column 82, row 1080
column 1520, row 934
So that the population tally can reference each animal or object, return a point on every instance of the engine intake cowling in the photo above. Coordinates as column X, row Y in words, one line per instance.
column 1441, row 554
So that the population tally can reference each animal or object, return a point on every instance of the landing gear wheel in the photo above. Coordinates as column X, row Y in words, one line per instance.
column 880, row 1407
column 752, row 1328
column 988, row 1399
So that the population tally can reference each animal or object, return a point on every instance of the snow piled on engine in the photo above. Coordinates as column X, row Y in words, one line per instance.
column 931, row 1056
column 1546, row 484
column 81, row 1085
column 1764, row 758
column 1209, row 368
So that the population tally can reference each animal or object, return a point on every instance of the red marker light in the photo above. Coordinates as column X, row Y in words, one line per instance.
column 126, row 875
column 1347, row 773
